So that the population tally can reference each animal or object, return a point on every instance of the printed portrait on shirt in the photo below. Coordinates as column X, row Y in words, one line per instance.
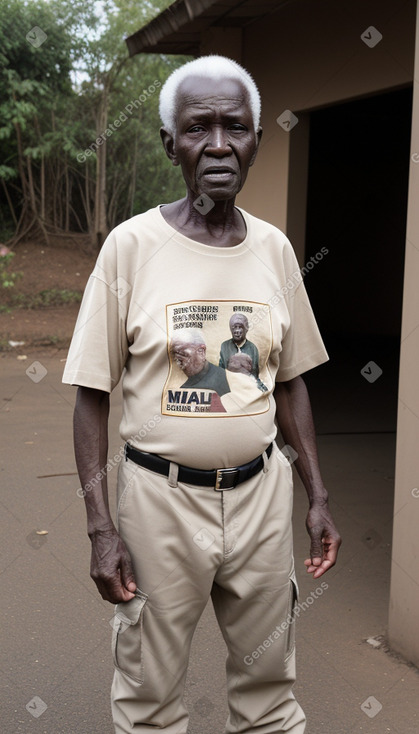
column 218, row 355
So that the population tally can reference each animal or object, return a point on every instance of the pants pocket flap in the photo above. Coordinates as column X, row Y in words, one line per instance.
column 129, row 612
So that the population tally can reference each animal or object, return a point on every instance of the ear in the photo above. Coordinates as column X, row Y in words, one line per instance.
column 259, row 132
column 169, row 145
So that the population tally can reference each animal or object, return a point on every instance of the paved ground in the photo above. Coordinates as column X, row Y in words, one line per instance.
column 56, row 661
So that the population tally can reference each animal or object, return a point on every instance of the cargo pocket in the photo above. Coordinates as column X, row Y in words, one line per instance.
column 126, row 636
column 292, row 602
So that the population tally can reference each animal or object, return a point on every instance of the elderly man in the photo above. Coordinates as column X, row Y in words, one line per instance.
column 204, row 501
column 190, row 354
column 238, row 344
column 239, row 326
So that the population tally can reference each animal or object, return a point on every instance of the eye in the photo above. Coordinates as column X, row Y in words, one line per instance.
column 238, row 127
column 196, row 129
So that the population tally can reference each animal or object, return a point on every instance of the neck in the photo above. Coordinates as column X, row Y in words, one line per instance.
column 222, row 217
column 222, row 226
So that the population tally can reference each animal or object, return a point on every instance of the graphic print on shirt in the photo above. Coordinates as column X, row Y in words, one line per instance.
column 218, row 359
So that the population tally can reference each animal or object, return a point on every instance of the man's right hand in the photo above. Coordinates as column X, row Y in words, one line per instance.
column 110, row 566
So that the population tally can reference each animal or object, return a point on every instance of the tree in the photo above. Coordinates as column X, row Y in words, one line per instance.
column 79, row 144
column 113, row 85
column 33, row 75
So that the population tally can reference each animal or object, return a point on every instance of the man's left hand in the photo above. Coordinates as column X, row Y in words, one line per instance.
column 325, row 540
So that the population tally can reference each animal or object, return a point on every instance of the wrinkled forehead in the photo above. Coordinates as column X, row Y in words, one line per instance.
column 201, row 91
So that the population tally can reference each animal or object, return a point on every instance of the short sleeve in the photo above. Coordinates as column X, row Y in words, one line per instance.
column 302, row 345
column 99, row 347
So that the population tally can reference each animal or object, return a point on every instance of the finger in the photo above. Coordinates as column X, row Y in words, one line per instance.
column 320, row 570
column 103, row 591
column 316, row 546
column 317, row 571
column 309, row 566
column 117, row 589
column 127, row 575
column 332, row 551
column 124, row 595
column 112, row 590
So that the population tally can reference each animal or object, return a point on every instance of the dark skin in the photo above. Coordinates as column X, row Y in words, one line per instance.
column 215, row 143
column 295, row 420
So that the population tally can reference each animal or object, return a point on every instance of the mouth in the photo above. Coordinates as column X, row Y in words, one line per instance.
column 219, row 171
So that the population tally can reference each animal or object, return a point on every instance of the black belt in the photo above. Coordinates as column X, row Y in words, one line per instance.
column 219, row 479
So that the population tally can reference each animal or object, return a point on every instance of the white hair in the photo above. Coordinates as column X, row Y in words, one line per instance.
column 189, row 336
column 241, row 316
column 212, row 67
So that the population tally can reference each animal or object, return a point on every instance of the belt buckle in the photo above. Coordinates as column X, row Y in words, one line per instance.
column 221, row 480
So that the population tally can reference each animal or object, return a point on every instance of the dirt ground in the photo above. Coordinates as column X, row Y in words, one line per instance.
column 57, row 649
column 66, row 267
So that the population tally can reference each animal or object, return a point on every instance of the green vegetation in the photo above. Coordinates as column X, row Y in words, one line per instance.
column 79, row 143
column 45, row 298
column 49, row 297
column 7, row 278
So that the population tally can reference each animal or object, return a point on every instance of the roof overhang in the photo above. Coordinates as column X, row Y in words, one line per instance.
column 179, row 28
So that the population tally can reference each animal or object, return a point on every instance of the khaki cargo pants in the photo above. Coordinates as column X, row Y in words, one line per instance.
column 188, row 543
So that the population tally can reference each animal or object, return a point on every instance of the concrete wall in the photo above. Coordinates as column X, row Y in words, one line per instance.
column 303, row 57
column 404, row 592
column 307, row 55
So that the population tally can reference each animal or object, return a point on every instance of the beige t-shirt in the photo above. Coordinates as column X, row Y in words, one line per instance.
column 156, row 310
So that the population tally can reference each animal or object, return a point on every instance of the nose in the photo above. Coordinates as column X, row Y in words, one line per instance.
column 218, row 144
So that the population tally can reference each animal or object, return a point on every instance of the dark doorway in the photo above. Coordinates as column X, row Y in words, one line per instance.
column 356, row 209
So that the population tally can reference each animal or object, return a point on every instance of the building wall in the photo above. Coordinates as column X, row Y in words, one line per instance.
column 303, row 57
column 404, row 591
column 307, row 55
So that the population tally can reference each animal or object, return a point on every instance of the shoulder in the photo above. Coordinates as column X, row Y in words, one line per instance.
column 263, row 228
column 123, row 242
column 216, row 372
column 274, row 240
column 214, row 369
column 140, row 224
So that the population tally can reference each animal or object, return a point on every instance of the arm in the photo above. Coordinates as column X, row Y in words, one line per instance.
column 293, row 412
column 110, row 562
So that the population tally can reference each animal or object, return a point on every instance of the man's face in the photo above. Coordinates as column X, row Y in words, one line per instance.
column 215, row 140
column 238, row 330
column 189, row 357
